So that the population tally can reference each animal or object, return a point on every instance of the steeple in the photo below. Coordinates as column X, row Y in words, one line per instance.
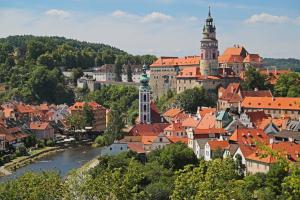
column 209, row 11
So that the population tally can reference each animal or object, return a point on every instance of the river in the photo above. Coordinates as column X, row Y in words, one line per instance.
column 62, row 161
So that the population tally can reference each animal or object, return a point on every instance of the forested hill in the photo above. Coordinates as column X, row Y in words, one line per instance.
column 59, row 51
column 29, row 66
column 282, row 63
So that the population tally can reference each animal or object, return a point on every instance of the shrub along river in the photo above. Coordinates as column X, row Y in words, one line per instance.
column 62, row 161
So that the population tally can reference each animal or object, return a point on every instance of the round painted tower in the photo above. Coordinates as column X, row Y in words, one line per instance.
column 209, row 49
column 144, row 98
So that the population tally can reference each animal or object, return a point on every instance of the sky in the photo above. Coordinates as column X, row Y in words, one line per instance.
column 160, row 27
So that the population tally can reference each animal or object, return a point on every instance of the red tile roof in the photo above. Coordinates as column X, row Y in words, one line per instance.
column 285, row 103
column 209, row 131
column 251, row 58
column 174, row 127
column 287, row 150
column 257, row 117
column 178, row 139
column 208, row 121
column 80, row 105
column 136, row 147
column 190, row 122
column 215, row 145
column 39, row 125
column 203, row 111
column 176, row 61
column 148, row 129
column 172, row 112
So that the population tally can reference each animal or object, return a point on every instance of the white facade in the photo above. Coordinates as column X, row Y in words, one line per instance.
column 115, row 148
column 104, row 76
column 207, row 152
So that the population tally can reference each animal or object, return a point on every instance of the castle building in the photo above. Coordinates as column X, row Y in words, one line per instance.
column 144, row 99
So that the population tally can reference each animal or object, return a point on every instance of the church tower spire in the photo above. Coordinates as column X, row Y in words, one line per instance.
column 209, row 48
column 144, row 98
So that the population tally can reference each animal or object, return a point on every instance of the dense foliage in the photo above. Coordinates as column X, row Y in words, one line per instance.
column 255, row 80
column 288, row 85
column 281, row 63
column 158, row 176
column 188, row 100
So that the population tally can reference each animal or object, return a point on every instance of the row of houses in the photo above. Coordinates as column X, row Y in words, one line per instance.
column 19, row 120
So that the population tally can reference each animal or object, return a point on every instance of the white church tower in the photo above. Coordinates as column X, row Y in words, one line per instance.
column 144, row 98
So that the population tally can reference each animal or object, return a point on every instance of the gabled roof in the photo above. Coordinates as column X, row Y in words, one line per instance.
column 253, row 58
column 256, row 93
column 136, row 147
column 230, row 93
column 285, row 103
column 204, row 110
column 190, row 72
column 208, row 121
column 190, row 122
column 178, row 139
column 209, row 131
column 215, row 145
column 257, row 117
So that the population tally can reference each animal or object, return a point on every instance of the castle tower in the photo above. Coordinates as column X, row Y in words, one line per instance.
column 144, row 98
column 209, row 49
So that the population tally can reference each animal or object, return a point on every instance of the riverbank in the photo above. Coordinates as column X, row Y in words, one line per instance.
column 18, row 162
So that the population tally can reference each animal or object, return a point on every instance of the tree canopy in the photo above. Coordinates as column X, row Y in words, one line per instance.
column 288, row 85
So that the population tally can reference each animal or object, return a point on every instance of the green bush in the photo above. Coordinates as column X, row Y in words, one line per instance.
column 50, row 143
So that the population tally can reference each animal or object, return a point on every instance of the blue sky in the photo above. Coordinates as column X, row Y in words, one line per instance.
column 161, row 27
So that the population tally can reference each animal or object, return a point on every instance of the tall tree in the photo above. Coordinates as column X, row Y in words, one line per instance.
column 255, row 80
column 288, row 85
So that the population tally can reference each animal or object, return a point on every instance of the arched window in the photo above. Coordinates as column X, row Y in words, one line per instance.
column 145, row 97
column 145, row 117
column 145, row 108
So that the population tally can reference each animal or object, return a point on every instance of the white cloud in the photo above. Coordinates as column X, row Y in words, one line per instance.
column 122, row 14
column 297, row 20
column 192, row 19
column 267, row 18
column 58, row 13
column 156, row 17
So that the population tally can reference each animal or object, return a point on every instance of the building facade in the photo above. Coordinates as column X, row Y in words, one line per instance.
column 144, row 99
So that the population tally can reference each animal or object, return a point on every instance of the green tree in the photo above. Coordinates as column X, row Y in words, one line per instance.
column 255, row 80
column 129, row 73
column 46, row 60
column 288, row 85
column 88, row 115
column 190, row 99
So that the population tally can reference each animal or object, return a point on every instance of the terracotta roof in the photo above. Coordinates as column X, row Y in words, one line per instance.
column 288, row 150
column 190, row 72
column 43, row 107
column 22, row 108
column 11, row 134
column 286, row 103
column 234, row 51
column 190, row 122
column 247, row 138
column 258, row 93
column 176, row 61
column 172, row 112
column 230, row 93
column 180, row 117
column 80, row 105
column 208, row 121
column 253, row 58
column 174, row 127
column 178, row 139
column 7, row 112
column 148, row 139
column 153, row 129
column 215, row 145
column 203, row 111
column 230, row 59
column 257, row 117
column 136, row 147
column 209, row 131
column 39, row 125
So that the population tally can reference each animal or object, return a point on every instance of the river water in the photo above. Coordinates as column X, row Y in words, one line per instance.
column 62, row 162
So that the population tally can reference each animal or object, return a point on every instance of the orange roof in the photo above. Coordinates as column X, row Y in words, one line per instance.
column 153, row 129
column 234, row 51
column 148, row 139
column 257, row 117
column 230, row 93
column 172, row 112
column 287, row 150
column 215, row 145
column 43, row 107
column 174, row 127
column 208, row 121
column 7, row 112
column 286, row 103
column 136, row 147
column 190, row 122
column 230, row 58
column 203, row 111
column 189, row 72
column 39, row 125
column 280, row 123
column 80, row 105
column 180, row 117
column 176, row 61
column 275, row 72
column 253, row 58
column 22, row 108
column 178, row 139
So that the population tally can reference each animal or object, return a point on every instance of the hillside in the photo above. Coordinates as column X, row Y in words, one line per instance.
column 289, row 63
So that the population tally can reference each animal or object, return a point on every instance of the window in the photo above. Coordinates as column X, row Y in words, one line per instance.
column 145, row 108
column 160, row 139
column 214, row 56
column 145, row 97
column 110, row 148
column 145, row 117
column 121, row 148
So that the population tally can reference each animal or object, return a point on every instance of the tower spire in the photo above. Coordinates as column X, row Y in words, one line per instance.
column 209, row 11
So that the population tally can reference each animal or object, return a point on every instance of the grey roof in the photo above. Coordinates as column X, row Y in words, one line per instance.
column 293, row 125
column 233, row 125
column 288, row 134
column 202, row 142
column 233, row 148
